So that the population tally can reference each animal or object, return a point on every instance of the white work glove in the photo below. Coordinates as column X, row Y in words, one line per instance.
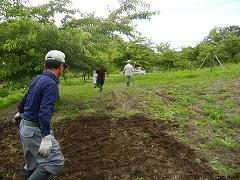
column 45, row 146
column 17, row 118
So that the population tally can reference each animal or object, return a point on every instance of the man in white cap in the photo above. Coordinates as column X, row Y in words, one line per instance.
column 42, row 153
column 128, row 71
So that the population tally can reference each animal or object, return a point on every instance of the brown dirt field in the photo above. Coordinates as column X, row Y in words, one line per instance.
column 110, row 148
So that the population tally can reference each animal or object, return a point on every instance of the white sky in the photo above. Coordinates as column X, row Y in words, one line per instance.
column 180, row 22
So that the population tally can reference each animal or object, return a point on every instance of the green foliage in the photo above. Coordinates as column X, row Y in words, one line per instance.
column 10, row 87
column 220, row 167
column 12, row 9
column 220, row 142
column 216, row 113
column 234, row 121
column 22, row 48
column 27, row 33
column 200, row 108
column 75, row 98
column 184, row 99
column 45, row 13
column 225, row 41
column 11, row 98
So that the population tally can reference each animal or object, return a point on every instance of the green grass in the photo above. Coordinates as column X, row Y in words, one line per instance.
column 75, row 97
column 225, row 170
column 220, row 142
column 202, row 107
column 14, row 97
column 234, row 120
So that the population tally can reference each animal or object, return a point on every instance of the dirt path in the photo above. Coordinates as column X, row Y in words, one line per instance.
column 108, row 148
column 119, row 101
column 8, row 113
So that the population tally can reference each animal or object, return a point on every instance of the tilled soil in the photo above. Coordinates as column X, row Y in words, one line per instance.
column 109, row 148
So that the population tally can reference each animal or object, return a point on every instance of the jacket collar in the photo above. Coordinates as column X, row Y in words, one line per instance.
column 48, row 73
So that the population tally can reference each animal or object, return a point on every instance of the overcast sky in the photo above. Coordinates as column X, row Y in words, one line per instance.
column 180, row 22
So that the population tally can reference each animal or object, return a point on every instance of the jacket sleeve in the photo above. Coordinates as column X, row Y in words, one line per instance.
column 50, row 96
column 21, row 104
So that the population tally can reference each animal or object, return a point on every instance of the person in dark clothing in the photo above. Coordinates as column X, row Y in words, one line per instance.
column 100, row 77
column 42, row 153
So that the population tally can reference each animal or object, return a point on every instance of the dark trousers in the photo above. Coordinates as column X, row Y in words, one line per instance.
column 100, row 82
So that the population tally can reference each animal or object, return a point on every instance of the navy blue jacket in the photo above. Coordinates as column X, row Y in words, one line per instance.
column 38, row 103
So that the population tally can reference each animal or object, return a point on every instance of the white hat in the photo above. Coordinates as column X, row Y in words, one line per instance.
column 129, row 61
column 55, row 55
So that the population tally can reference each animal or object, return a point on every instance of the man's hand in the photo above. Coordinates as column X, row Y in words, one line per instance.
column 45, row 146
column 17, row 118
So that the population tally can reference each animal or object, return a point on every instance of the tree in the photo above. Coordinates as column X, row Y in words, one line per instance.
column 226, row 42
column 186, row 58
column 231, row 44
column 23, row 44
column 106, row 32
column 12, row 9
column 167, row 57
column 45, row 13
column 87, row 42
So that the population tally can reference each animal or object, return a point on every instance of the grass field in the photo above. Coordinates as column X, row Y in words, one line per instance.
column 201, row 107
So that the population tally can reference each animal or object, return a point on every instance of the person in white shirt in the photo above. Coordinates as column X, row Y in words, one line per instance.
column 94, row 79
column 128, row 71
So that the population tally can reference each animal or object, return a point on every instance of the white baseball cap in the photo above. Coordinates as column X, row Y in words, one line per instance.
column 55, row 55
column 129, row 61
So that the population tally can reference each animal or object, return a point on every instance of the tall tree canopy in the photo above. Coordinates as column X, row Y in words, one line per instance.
column 27, row 33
